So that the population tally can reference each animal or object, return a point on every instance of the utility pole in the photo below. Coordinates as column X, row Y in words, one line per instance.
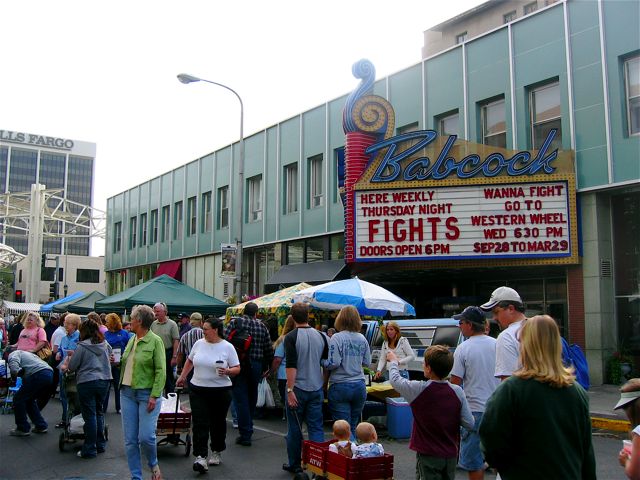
column 36, row 221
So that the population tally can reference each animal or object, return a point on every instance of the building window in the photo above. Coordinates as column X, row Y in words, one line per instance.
column 530, row 8
column 295, row 252
column 255, row 198
column 509, row 17
column 166, row 223
column 117, row 237
column 154, row 227
column 207, row 214
column 143, row 229
column 336, row 245
column 314, row 250
column 223, row 207
column 291, row 188
column 316, row 183
column 133, row 232
column 87, row 275
column 461, row 37
column 177, row 221
column 448, row 124
column 192, row 216
column 47, row 274
column 544, row 104
column 494, row 127
column 632, row 87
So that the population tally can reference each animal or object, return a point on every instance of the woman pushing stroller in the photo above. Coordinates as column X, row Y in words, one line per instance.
column 91, row 362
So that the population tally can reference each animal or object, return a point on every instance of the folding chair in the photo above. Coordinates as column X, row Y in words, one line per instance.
column 7, row 405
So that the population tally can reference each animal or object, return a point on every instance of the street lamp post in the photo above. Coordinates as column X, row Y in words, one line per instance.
column 186, row 78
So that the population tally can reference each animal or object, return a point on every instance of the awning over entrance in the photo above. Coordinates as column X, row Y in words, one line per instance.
column 172, row 268
column 311, row 273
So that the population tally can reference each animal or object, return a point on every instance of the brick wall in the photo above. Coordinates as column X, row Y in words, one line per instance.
column 575, row 294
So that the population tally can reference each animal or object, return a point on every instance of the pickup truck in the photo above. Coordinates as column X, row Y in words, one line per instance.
column 421, row 334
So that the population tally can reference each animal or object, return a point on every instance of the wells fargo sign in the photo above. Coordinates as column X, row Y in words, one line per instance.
column 420, row 196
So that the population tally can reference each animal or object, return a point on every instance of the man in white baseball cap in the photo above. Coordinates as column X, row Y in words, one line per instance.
column 508, row 310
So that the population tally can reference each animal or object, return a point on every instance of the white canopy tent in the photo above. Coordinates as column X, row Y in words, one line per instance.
column 16, row 308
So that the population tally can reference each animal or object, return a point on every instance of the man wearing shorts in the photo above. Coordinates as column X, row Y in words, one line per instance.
column 473, row 368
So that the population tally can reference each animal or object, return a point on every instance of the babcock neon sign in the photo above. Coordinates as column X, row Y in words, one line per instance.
column 389, row 169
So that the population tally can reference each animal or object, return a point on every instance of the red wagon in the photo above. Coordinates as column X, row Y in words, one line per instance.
column 317, row 458
column 172, row 425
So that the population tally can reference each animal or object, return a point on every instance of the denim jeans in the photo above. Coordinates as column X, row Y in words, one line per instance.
column 309, row 410
column 245, row 396
column 139, row 428
column 91, row 395
column 115, row 373
column 346, row 401
column 25, row 400
column 209, row 406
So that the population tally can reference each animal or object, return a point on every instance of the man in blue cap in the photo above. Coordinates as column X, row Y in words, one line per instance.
column 474, row 363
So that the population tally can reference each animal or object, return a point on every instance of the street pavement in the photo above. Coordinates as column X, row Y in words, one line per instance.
column 37, row 457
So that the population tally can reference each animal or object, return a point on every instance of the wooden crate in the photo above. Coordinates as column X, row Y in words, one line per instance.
column 314, row 456
column 181, row 421
column 340, row 467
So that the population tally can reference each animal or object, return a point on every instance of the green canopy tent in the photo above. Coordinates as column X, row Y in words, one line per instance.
column 82, row 305
column 178, row 297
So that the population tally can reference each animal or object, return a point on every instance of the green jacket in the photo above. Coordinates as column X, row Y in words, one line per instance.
column 531, row 430
column 149, row 369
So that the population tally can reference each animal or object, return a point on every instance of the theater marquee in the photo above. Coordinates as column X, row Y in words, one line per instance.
column 528, row 220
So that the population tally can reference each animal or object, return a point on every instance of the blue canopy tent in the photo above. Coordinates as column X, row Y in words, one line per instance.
column 48, row 307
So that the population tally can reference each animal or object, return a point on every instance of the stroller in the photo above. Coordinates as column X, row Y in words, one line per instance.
column 73, row 429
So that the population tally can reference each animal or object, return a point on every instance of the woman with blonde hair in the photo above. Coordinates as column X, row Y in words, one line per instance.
column 33, row 336
column 348, row 353
column 396, row 343
column 541, row 409
column 278, row 363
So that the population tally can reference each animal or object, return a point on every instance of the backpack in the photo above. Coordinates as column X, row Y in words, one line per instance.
column 572, row 356
column 241, row 340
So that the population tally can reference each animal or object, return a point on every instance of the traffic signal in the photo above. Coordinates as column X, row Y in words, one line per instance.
column 53, row 290
column 19, row 296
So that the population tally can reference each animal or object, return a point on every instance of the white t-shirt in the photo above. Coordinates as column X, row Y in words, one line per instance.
column 57, row 335
column 474, row 361
column 636, row 430
column 204, row 356
column 508, row 351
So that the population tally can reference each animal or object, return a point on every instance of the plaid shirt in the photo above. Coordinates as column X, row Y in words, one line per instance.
column 261, row 346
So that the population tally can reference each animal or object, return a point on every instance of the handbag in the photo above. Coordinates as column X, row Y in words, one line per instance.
column 45, row 352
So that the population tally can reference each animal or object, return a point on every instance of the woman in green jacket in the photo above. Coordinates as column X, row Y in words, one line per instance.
column 536, row 424
column 142, row 377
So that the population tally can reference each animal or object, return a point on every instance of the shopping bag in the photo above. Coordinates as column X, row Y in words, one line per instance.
column 261, row 392
column 169, row 403
column 268, row 395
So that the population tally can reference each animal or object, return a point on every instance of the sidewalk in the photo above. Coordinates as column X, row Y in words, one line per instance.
column 602, row 399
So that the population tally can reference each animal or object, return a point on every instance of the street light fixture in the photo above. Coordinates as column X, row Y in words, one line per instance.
column 186, row 78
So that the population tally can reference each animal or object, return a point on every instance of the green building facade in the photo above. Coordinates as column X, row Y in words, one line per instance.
column 572, row 65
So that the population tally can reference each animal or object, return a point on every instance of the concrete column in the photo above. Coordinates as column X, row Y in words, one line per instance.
column 600, row 323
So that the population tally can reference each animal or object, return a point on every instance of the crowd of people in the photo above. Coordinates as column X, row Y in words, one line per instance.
column 483, row 405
